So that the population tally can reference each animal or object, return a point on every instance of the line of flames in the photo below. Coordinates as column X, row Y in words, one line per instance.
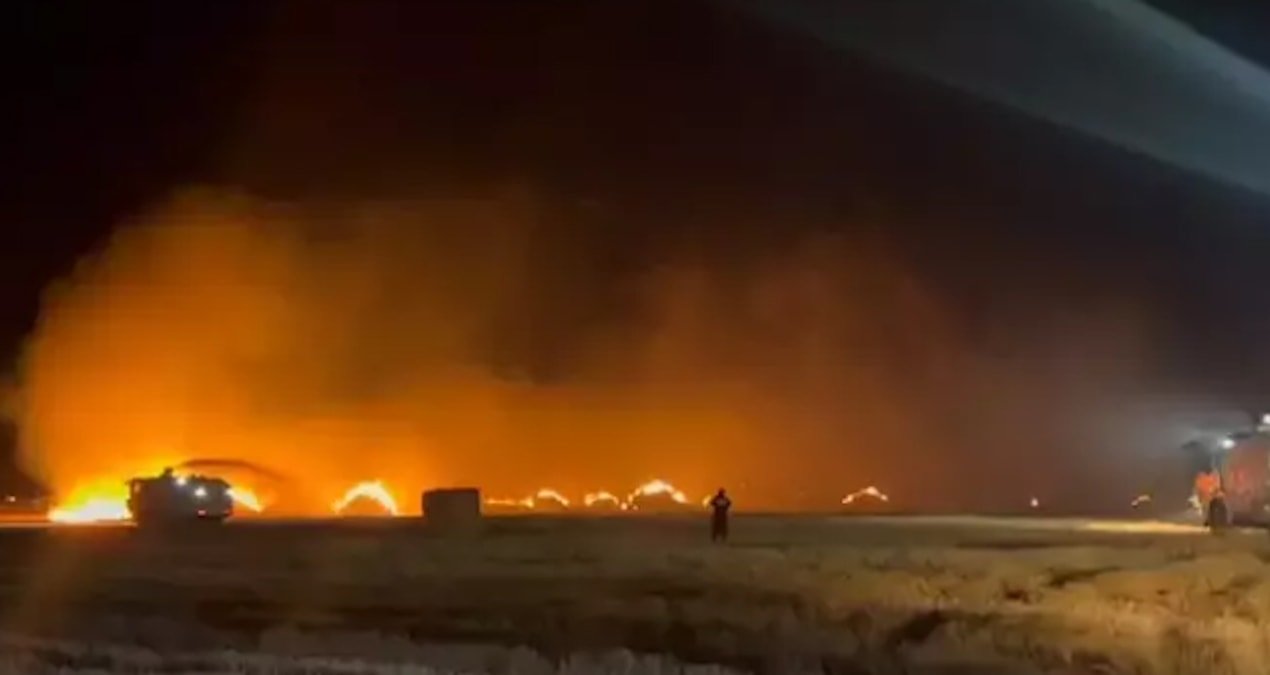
column 111, row 504
column 108, row 503
column 549, row 498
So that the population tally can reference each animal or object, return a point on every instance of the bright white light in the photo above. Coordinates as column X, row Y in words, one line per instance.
column 1217, row 102
column 200, row 492
column 1228, row 443
column 181, row 480
column 1265, row 420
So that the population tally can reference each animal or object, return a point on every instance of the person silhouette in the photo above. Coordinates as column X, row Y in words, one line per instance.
column 719, row 505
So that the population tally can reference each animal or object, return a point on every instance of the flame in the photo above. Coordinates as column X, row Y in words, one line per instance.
column 107, row 501
column 103, row 498
column 869, row 491
column 1035, row 503
column 602, row 498
column 547, row 494
column 657, row 487
column 373, row 490
column 532, row 501
column 246, row 498
column 507, row 502
column 95, row 502
column 91, row 510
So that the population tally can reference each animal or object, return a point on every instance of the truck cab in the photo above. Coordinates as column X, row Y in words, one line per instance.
column 170, row 498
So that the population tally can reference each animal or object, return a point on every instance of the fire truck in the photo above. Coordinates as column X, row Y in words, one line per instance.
column 169, row 498
column 1242, row 463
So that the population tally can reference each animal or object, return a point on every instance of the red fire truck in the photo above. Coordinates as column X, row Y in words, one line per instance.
column 1243, row 467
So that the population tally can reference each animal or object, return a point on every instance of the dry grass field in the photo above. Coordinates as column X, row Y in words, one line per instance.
column 530, row 595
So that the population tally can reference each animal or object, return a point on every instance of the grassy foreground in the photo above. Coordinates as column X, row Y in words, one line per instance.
column 795, row 594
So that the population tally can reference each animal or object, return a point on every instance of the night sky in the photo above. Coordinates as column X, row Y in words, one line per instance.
column 642, row 128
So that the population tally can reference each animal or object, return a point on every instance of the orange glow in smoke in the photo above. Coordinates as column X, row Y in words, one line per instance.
column 373, row 490
column 657, row 487
column 869, row 491
column 334, row 343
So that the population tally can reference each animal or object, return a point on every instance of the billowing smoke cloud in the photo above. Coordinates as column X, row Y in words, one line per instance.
column 404, row 342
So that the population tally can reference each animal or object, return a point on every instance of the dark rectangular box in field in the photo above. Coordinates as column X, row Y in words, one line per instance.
column 456, row 509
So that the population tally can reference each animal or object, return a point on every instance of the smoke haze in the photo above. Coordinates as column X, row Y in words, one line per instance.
column 411, row 342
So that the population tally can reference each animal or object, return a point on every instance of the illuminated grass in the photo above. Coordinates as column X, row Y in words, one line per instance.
column 800, row 592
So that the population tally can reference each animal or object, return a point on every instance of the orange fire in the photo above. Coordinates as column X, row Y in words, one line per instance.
column 373, row 490
column 603, row 499
column 91, row 510
column 543, row 497
column 247, row 498
column 657, row 487
column 107, row 501
column 549, row 495
column 505, row 502
column 93, row 502
column 103, row 498
column 869, row 491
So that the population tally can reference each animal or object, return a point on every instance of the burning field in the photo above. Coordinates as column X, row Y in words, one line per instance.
column 422, row 343
column 329, row 361
column 637, row 594
column 319, row 347
column 225, row 327
column 108, row 503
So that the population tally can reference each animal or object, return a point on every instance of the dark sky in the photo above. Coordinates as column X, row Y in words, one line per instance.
column 668, row 124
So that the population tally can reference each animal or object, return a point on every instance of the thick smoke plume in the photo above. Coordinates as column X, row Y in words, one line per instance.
column 405, row 342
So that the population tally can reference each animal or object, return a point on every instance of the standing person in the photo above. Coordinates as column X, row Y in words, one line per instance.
column 1211, row 498
column 719, row 506
column 1206, row 485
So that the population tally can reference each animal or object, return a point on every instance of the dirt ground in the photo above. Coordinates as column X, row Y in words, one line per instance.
column 787, row 594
